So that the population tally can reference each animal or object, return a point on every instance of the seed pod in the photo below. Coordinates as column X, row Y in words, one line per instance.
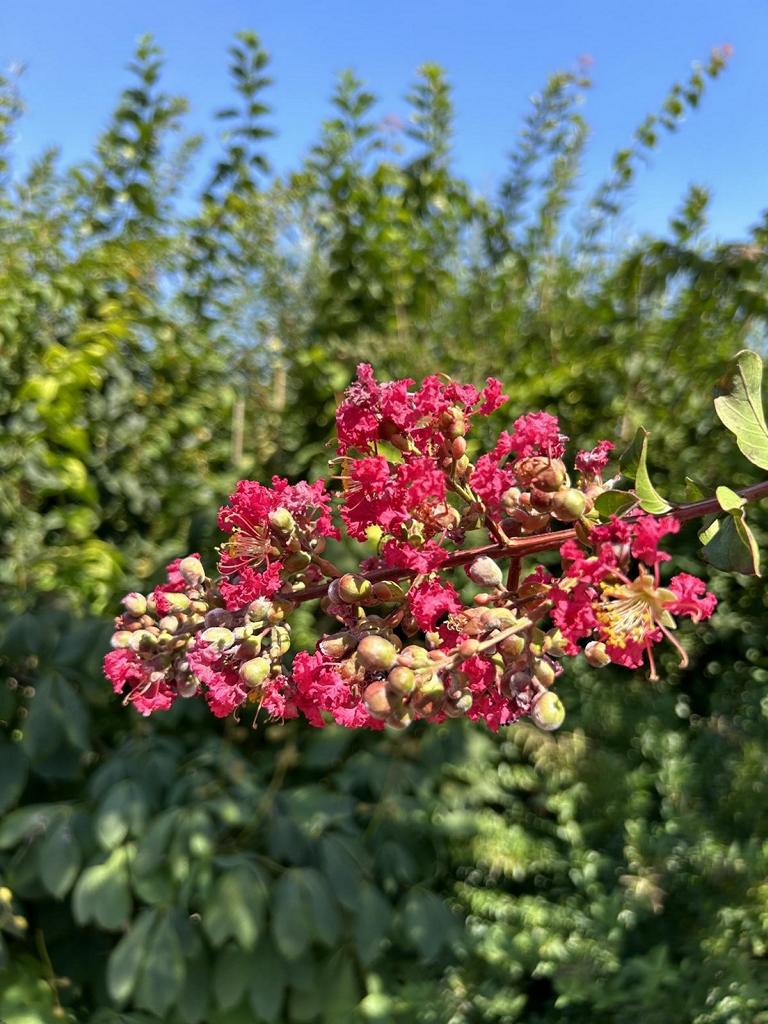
column 219, row 636
column 135, row 604
column 547, row 711
column 401, row 681
column 376, row 654
column 192, row 571
column 596, row 654
column 568, row 505
column 282, row 520
column 353, row 589
column 254, row 672
column 485, row 572
column 377, row 700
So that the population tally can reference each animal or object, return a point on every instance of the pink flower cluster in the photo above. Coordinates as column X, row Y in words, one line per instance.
column 428, row 628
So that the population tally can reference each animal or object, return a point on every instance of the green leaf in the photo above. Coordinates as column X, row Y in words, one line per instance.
column 162, row 974
column 230, row 976
column 739, row 404
column 59, row 859
column 26, row 823
column 728, row 500
column 192, row 1004
column 693, row 490
column 730, row 545
column 235, row 907
column 128, row 955
column 341, row 990
column 372, row 922
column 267, row 982
column 630, row 457
column 290, row 912
column 123, row 811
column 14, row 769
column 650, row 499
column 102, row 893
column 614, row 503
column 427, row 922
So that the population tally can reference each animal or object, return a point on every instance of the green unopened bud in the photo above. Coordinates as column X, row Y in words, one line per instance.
column 142, row 641
column 187, row 687
column 280, row 641
column 169, row 623
column 254, row 672
column 297, row 561
column 541, row 472
column 258, row 610
column 413, row 656
column 376, row 654
column 547, row 711
column 511, row 647
column 485, row 573
column 453, row 423
column 458, row 706
column 401, row 680
column 178, row 602
column 336, row 646
column 121, row 639
column 192, row 571
column 430, row 694
column 387, row 592
column 555, row 644
column 219, row 636
column 282, row 520
column 568, row 505
column 353, row 589
column 135, row 604
column 544, row 671
column 596, row 654
column 377, row 700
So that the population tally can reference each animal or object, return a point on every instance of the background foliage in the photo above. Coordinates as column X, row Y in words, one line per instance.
column 153, row 349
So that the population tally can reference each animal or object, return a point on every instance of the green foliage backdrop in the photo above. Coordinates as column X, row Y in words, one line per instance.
column 155, row 349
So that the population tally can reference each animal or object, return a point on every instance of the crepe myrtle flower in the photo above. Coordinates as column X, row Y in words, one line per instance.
column 440, row 615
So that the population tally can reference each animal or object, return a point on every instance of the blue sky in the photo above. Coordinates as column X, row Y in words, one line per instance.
column 496, row 52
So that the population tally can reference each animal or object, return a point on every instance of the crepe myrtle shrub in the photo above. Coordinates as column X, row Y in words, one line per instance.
column 432, row 624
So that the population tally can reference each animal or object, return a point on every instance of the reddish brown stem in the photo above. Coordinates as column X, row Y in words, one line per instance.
column 519, row 547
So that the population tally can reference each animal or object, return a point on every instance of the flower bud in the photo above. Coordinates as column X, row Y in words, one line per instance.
column 541, row 472
column 142, row 641
column 453, row 423
column 376, row 654
column 468, row 647
column 178, row 602
column 541, row 500
column 135, row 604
column 413, row 656
column 121, row 639
column 219, row 636
column 485, row 572
column 458, row 706
column 353, row 589
column 336, row 646
column 462, row 465
column 544, row 671
column 280, row 644
column 401, row 681
column 377, row 700
column 258, row 610
column 555, row 644
column 547, row 711
column 387, row 592
column 282, row 520
column 568, row 505
column 430, row 694
column 192, row 571
column 169, row 623
column 511, row 647
column 458, row 447
column 187, row 687
column 596, row 654
column 254, row 672
column 216, row 617
column 297, row 561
